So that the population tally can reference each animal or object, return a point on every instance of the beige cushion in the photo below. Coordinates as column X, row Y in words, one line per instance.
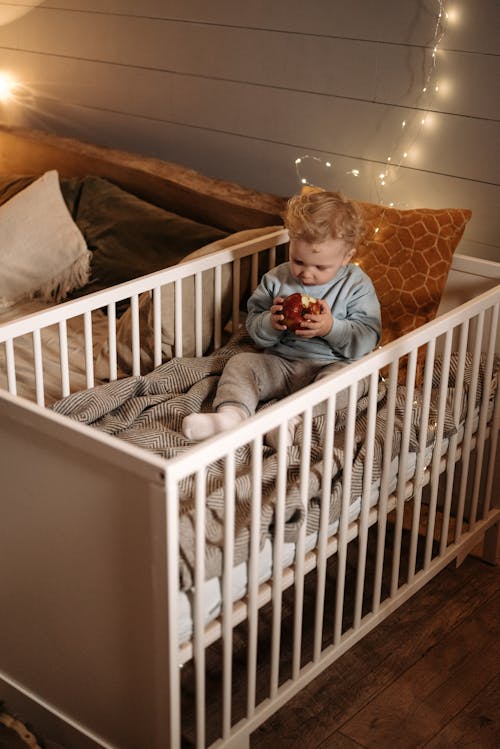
column 42, row 251
column 124, row 331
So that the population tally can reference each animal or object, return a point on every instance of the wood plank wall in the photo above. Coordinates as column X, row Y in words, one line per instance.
column 239, row 90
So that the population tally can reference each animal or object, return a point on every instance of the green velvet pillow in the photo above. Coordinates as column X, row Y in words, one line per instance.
column 129, row 237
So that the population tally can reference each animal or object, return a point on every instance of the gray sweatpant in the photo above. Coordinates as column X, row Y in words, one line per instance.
column 249, row 378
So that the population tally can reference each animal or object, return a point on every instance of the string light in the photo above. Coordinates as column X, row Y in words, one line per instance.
column 412, row 127
column 306, row 157
column 413, row 123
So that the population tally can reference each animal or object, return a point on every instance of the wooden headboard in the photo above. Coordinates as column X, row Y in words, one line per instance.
column 216, row 202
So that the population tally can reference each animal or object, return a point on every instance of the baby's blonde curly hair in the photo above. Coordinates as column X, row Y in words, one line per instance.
column 316, row 216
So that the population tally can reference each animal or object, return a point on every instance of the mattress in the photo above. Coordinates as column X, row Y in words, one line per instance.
column 212, row 589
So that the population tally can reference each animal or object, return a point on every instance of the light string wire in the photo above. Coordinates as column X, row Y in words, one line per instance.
column 411, row 127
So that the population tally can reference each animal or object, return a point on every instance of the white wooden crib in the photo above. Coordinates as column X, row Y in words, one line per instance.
column 97, row 639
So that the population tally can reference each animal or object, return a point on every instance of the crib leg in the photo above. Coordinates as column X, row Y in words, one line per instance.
column 491, row 547
column 240, row 741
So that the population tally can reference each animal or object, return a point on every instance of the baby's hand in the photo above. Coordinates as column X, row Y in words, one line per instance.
column 277, row 315
column 316, row 325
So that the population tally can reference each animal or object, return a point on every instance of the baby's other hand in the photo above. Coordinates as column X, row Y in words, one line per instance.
column 319, row 325
column 277, row 316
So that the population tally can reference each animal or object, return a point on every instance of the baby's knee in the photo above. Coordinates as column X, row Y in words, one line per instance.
column 242, row 365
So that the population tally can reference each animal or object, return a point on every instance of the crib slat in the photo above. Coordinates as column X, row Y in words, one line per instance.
column 199, row 579
column 178, row 317
column 63, row 356
column 227, row 580
column 495, row 427
column 89, row 353
column 254, row 273
column 171, row 509
column 323, row 528
column 113, row 371
column 272, row 257
column 402, row 470
column 198, row 314
column 37, row 358
column 136, row 341
column 483, row 418
column 469, row 423
column 305, row 459
column 421, row 457
column 11, row 366
column 384, row 484
column 235, row 314
column 365, row 499
column 452, row 447
column 157, row 326
column 346, row 496
column 493, row 441
column 277, row 588
column 253, row 574
column 218, row 307
column 436, row 458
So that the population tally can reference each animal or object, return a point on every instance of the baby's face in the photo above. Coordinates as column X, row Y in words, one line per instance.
column 317, row 263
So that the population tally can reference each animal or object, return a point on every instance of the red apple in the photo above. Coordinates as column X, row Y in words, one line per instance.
column 296, row 306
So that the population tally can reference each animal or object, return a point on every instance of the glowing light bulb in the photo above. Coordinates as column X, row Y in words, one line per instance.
column 7, row 86
column 327, row 163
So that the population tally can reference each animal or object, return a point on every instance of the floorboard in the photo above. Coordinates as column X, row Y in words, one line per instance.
column 428, row 677
column 436, row 653
column 478, row 725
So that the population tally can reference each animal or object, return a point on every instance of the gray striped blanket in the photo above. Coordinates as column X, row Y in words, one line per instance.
column 148, row 410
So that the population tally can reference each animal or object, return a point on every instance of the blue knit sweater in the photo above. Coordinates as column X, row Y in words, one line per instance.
column 352, row 300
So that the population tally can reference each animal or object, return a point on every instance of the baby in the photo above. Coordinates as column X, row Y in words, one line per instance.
column 324, row 229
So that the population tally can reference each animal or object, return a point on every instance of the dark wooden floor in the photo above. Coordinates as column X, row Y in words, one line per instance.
column 429, row 676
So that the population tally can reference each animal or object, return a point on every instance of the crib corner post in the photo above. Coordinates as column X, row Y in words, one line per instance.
column 491, row 545
column 238, row 741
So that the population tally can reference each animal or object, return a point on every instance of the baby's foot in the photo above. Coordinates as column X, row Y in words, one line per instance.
column 197, row 427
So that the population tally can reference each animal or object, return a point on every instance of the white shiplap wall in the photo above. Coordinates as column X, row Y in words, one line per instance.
column 240, row 89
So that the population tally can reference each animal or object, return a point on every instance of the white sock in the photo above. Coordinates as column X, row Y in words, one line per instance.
column 198, row 427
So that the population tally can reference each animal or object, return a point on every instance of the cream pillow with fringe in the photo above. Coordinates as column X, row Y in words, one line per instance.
column 42, row 251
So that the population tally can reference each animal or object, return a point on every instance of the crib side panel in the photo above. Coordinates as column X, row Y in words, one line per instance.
column 83, row 589
column 390, row 469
